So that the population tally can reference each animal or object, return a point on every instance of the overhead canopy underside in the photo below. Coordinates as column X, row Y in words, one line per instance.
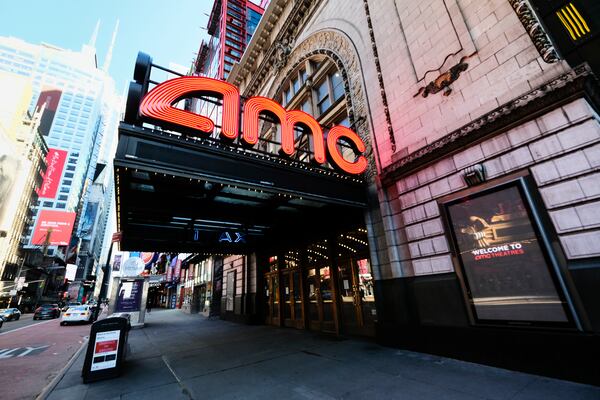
column 181, row 194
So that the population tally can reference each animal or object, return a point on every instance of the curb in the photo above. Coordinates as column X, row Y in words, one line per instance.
column 50, row 387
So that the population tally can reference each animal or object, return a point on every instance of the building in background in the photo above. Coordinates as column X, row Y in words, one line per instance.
column 80, row 112
column 23, row 164
column 231, row 25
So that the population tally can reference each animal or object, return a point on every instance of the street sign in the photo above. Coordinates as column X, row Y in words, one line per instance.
column 116, row 237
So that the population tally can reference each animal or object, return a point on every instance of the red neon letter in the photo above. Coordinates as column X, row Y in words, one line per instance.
column 357, row 167
column 287, row 119
column 157, row 104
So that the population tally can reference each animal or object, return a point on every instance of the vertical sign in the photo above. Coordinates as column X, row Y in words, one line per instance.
column 55, row 159
column 48, row 100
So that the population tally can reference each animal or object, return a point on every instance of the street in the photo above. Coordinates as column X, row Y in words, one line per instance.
column 183, row 356
column 24, row 321
column 32, row 353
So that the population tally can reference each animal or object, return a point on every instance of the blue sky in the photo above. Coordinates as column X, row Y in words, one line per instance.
column 170, row 31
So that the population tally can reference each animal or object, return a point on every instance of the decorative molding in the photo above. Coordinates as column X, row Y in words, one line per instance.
column 386, row 109
column 560, row 90
column 535, row 30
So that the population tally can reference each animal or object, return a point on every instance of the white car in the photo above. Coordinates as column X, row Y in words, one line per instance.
column 77, row 314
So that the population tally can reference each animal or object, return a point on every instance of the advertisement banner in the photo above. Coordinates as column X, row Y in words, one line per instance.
column 504, row 262
column 130, row 296
column 89, row 220
column 105, row 350
column 55, row 227
column 55, row 160
column 117, row 263
column 48, row 100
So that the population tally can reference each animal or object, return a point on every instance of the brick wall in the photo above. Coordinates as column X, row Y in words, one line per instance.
column 561, row 149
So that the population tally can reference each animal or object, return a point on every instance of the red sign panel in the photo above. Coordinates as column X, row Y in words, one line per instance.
column 157, row 106
column 106, row 346
column 53, row 227
column 56, row 162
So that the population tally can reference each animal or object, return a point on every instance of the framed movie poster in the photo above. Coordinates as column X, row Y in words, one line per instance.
column 507, row 271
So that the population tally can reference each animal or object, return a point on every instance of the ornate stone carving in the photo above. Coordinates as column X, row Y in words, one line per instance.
column 283, row 49
column 534, row 30
column 443, row 81
column 338, row 48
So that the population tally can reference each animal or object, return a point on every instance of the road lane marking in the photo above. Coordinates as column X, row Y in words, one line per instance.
column 24, row 327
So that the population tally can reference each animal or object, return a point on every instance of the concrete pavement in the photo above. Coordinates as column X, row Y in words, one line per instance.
column 181, row 356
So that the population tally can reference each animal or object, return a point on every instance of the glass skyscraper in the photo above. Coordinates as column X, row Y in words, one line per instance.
column 80, row 115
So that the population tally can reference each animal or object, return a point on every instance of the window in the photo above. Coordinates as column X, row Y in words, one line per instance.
column 63, row 197
column 338, row 85
column 48, row 204
column 323, row 101
column 64, row 189
column 68, row 175
column 60, row 205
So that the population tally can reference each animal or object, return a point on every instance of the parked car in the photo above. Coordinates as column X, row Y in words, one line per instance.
column 47, row 311
column 10, row 314
column 77, row 314
column 70, row 304
column 1, row 322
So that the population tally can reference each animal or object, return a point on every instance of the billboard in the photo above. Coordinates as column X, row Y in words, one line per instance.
column 55, row 159
column 89, row 220
column 504, row 262
column 54, row 226
column 129, row 298
column 49, row 99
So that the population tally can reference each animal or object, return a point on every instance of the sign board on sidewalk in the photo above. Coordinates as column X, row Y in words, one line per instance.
column 105, row 350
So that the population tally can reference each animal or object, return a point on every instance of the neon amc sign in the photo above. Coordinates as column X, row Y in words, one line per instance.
column 157, row 106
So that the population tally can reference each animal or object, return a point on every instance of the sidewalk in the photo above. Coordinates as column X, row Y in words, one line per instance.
column 181, row 356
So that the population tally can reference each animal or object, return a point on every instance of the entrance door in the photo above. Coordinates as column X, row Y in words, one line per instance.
column 272, row 298
column 293, row 315
column 357, row 297
column 321, row 300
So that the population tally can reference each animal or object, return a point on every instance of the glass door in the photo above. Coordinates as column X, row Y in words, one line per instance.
column 355, row 284
column 272, row 298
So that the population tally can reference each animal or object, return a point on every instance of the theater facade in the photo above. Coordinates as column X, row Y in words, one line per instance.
column 422, row 173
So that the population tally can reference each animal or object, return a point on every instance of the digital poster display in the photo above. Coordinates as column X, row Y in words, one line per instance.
column 505, row 267
column 129, row 297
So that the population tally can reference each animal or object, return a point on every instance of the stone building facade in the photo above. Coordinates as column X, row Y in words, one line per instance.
column 456, row 99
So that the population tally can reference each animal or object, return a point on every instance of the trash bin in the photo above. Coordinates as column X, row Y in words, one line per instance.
column 106, row 349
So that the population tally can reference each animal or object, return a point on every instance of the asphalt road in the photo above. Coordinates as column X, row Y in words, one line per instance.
column 25, row 320
column 32, row 353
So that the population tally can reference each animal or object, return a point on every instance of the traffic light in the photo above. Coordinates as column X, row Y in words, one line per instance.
column 573, row 27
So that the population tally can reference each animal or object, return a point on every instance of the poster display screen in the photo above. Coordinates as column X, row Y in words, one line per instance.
column 129, row 298
column 504, row 263
column 105, row 350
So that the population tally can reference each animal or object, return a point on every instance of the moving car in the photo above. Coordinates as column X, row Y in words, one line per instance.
column 10, row 314
column 71, row 304
column 47, row 311
column 77, row 314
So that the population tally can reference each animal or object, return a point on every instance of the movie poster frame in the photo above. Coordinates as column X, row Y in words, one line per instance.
column 547, row 239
